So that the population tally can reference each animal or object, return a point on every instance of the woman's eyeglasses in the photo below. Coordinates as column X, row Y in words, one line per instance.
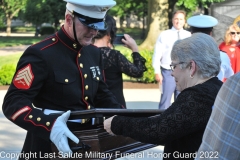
column 232, row 33
column 173, row 66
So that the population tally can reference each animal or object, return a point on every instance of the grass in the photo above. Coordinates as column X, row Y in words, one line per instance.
column 18, row 29
column 13, row 59
column 136, row 33
column 10, row 59
column 16, row 41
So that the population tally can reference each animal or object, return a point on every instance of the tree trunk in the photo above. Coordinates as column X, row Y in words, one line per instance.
column 9, row 17
column 157, row 22
column 121, row 19
column 143, row 28
column 8, row 30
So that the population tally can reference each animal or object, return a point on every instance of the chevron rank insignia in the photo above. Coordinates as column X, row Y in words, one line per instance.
column 24, row 77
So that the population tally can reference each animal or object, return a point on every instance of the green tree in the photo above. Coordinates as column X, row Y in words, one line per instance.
column 1, row 19
column 191, row 6
column 36, row 12
column 40, row 11
column 56, row 12
column 125, row 8
column 11, row 8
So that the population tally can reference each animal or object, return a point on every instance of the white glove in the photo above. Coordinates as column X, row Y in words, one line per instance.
column 60, row 133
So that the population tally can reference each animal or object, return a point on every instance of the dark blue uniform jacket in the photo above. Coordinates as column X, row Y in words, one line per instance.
column 59, row 74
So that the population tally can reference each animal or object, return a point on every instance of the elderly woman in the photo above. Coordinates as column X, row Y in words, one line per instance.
column 195, row 64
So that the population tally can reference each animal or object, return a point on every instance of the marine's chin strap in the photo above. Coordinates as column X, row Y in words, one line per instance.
column 74, row 30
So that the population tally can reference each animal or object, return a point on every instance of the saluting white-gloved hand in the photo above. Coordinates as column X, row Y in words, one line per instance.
column 60, row 134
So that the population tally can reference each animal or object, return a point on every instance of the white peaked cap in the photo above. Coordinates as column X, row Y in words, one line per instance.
column 202, row 21
column 90, row 8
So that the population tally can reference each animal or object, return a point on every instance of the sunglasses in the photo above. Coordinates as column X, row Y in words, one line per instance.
column 232, row 33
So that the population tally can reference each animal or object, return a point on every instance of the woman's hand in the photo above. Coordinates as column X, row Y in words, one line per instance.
column 107, row 125
column 130, row 43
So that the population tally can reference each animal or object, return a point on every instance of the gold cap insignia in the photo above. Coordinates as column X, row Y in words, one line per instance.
column 104, row 9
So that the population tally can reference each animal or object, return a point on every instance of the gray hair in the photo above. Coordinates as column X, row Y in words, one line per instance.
column 202, row 49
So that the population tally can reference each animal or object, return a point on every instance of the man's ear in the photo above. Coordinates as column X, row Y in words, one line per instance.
column 69, row 19
column 211, row 33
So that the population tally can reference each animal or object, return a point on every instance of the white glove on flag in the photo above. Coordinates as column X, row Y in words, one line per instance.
column 60, row 133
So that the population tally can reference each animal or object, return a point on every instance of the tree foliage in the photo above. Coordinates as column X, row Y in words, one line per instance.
column 11, row 8
column 191, row 6
column 57, row 12
column 6, row 74
column 42, row 11
column 37, row 12
column 125, row 8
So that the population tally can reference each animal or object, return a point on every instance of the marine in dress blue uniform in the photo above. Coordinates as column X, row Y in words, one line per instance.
column 59, row 74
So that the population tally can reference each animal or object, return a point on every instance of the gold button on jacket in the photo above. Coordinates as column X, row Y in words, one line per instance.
column 74, row 45
column 81, row 65
column 48, row 124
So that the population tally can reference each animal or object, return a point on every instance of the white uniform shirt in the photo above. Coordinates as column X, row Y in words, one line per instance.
column 226, row 69
column 163, row 48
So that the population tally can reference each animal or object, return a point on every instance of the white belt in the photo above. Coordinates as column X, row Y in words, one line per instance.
column 50, row 111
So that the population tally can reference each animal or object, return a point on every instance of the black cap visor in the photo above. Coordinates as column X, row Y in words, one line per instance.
column 204, row 30
column 97, row 25
column 94, row 23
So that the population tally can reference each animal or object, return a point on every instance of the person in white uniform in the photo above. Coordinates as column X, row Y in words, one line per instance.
column 205, row 24
column 161, row 59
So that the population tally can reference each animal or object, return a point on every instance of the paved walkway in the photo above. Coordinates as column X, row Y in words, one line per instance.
column 17, row 49
column 3, row 34
column 12, row 50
